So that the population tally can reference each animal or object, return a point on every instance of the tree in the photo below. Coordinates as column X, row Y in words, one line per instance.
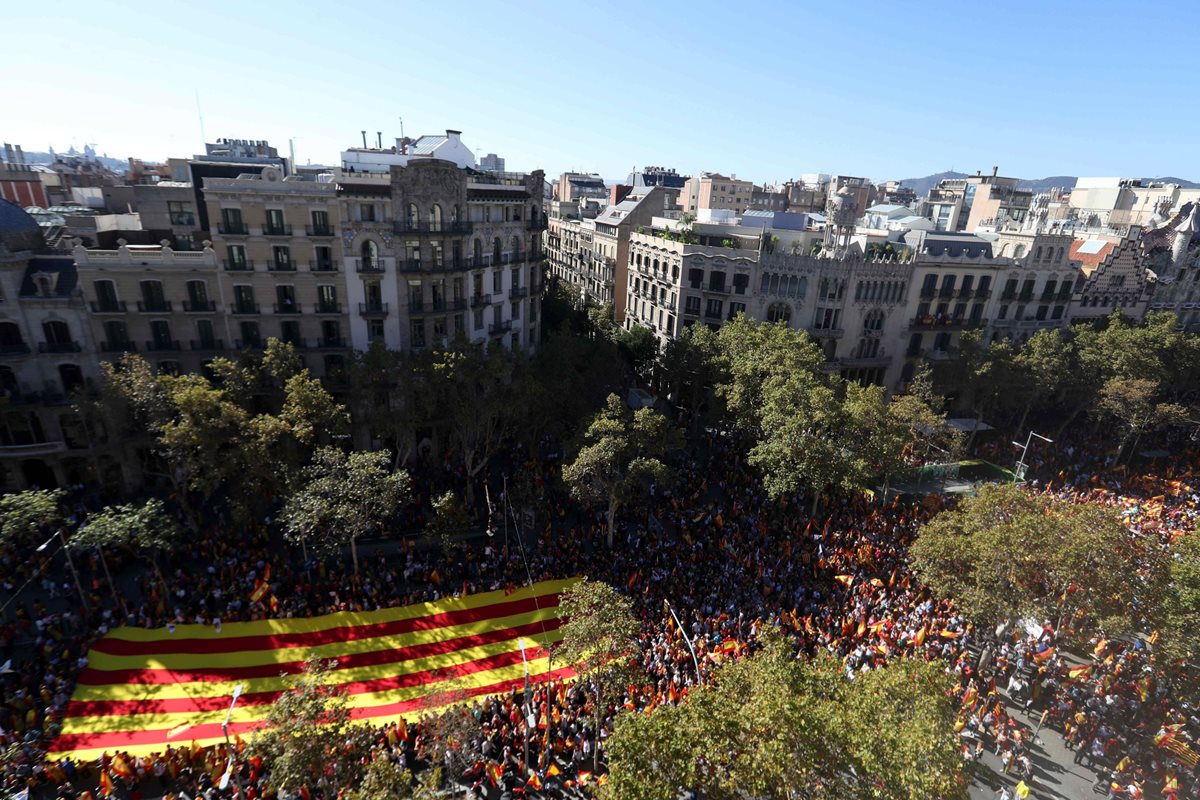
column 600, row 319
column 774, row 727
column 639, row 346
column 1178, row 617
column 147, row 529
column 307, row 739
column 599, row 640
column 383, row 777
column 342, row 498
column 449, row 518
column 1130, row 402
column 690, row 368
column 755, row 354
column 23, row 514
column 1007, row 554
column 619, row 455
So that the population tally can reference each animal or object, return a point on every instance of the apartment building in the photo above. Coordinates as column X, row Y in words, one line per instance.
column 1172, row 251
column 281, row 262
column 1119, row 204
column 712, row 191
column 593, row 254
column 577, row 187
column 434, row 252
column 979, row 201
column 46, row 352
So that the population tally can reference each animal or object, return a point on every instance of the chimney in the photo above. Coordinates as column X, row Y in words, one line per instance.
column 453, row 135
column 8, row 153
column 364, row 135
column 994, row 171
column 379, row 139
column 20, row 156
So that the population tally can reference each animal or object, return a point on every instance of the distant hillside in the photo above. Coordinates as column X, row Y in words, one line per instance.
column 922, row 185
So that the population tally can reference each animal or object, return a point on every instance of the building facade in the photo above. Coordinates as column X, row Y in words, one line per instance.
column 715, row 192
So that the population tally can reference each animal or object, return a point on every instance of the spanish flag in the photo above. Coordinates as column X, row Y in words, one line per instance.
column 534, row 782
column 1079, row 673
column 260, row 590
column 553, row 770
column 845, row 580
column 495, row 773
column 919, row 639
column 142, row 684
column 1044, row 656
column 106, row 784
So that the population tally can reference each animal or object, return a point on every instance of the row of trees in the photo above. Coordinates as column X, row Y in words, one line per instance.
column 1138, row 378
column 1007, row 555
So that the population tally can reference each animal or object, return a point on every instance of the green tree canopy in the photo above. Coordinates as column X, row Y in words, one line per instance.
column 619, row 455
column 1008, row 554
column 24, row 513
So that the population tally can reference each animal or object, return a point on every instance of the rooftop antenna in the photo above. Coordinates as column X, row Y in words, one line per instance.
column 200, row 114
column 379, row 139
column 292, row 151
column 364, row 135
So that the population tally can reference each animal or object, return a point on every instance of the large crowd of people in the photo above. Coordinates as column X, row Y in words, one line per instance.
column 729, row 561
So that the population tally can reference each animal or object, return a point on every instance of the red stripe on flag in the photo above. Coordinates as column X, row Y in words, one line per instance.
column 120, row 740
column 98, row 677
column 342, row 633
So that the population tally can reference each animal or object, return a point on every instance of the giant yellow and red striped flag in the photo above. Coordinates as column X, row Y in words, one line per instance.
column 141, row 685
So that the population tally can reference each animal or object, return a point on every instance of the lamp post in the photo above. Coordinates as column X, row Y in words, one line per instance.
column 1019, row 473
column 70, row 562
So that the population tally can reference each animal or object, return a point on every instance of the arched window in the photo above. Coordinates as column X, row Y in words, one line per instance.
column 803, row 286
column 454, row 214
column 1060, row 253
column 11, row 340
column 873, row 321
column 477, row 252
column 766, row 280
column 779, row 312
column 1038, row 255
column 774, row 284
column 516, row 248
column 370, row 254
column 414, row 216
column 1019, row 251
column 58, row 335
column 435, row 218
column 496, row 245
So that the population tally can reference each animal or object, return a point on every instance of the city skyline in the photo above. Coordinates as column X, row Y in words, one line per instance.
column 882, row 94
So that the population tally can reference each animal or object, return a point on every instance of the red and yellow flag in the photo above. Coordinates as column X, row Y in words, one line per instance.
column 141, row 685
column 1044, row 656
column 106, row 784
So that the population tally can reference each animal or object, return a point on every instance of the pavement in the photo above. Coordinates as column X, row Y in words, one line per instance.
column 1055, row 775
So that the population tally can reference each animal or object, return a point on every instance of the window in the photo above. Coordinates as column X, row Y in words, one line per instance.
column 116, row 334
column 289, row 331
column 417, row 332
column 1057, row 313
column 184, row 242
column 331, row 333
column 716, row 281
column 106, row 296
column 275, row 224
column 691, row 305
column 516, row 309
column 197, row 292
column 438, row 260
column 497, row 281
column 204, row 335
column 236, row 254
column 71, row 377
column 413, row 217
column 366, row 212
column 160, row 335
column 741, row 282
column 735, row 309
column 285, row 300
column 153, row 298
column 416, row 296
column 439, row 328
column 435, row 218
column 712, row 309
column 243, row 300
column 327, row 302
column 58, row 335
column 459, row 325
column 281, row 257
column 477, row 319
column 181, row 213
column 779, row 312
column 320, row 223
column 696, row 278
column 250, row 334
column 375, row 330
column 324, row 258
column 231, row 221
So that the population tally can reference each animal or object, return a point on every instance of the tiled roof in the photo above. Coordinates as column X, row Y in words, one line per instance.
column 1090, row 253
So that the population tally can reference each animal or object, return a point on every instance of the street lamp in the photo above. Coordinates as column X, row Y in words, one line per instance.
column 1024, row 448
column 70, row 562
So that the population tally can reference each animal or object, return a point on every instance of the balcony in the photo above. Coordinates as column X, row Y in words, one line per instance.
column 118, row 347
column 373, row 309
column 480, row 300
column 233, row 229
column 1007, row 297
column 499, row 328
column 428, row 267
column 329, row 342
column 319, row 231
column 183, row 220
column 368, row 267
column 154, row 306
column 32, row 449
column 10, row 350
column 281, row 266
column 287, row 308
column 162, row 345
column 208, row 345
column 277, row 230
column 58, row 347
column 322, row 266
column 459, row 304
column 928, row 292
column 717, row 290
column 517, row 292
column 103, row 307
column 982, row 294
column 245, row 308
column 329, row 308
column 946, row 323
column 827, row 333
column 199, row 307
column 434, row 228
column 237, row 266
column 299, row 344
column 249, row 344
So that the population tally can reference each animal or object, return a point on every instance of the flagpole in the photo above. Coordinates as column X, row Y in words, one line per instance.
column 528, row 712
column 237, row 692
column 686, row 640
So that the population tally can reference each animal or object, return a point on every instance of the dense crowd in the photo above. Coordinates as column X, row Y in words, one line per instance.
column 728, row 560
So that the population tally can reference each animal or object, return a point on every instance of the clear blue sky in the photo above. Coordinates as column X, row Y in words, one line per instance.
column 764, row 90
